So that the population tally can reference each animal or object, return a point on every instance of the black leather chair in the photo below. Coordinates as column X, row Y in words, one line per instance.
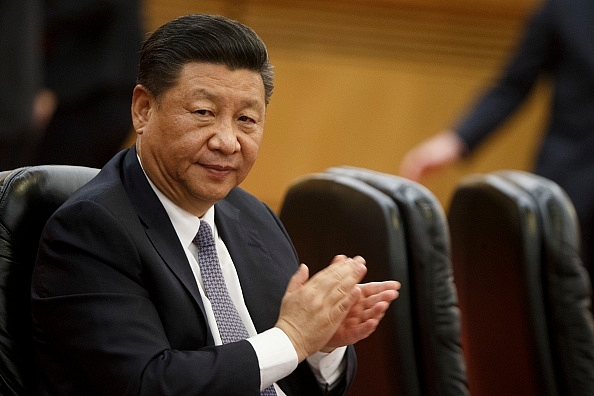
column 435, row 313
column 353, row 211
column 524, row 295
column 3, row 175
column 28, row 197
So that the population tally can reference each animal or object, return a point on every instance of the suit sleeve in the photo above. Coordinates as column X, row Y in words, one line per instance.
column 532, row 57
column 96, row 325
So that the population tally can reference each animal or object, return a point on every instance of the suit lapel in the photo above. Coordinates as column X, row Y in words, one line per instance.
column 158, row 227
column 253, row 265
column 250, row 256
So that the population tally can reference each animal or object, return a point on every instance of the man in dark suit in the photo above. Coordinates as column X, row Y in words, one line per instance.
column 119, row 298
column 559, row 44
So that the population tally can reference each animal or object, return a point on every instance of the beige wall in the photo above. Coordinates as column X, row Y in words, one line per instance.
column 360, row 82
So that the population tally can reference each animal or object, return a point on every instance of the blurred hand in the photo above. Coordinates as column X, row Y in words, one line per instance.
column 432, row 154
column 44, row 106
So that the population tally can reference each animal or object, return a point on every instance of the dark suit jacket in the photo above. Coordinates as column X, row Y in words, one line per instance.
column 91, row 55
column 558, row 43
column 116, row 308
column 92, row 47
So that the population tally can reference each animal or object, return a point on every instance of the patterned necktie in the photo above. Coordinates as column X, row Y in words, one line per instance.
column 228, row 320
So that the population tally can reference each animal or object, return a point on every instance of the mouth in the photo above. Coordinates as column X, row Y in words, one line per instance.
column 219, row 171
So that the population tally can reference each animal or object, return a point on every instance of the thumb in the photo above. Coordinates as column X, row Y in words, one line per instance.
column 298, row 278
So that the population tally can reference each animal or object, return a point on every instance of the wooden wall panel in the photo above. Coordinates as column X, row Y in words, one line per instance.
column 360, row 82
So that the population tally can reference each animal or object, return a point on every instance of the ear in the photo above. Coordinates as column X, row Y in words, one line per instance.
column 142, row 102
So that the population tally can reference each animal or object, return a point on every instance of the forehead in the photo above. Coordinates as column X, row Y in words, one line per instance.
column 219, row 81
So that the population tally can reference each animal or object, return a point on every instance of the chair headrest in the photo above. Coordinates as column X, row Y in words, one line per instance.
column 28, row 197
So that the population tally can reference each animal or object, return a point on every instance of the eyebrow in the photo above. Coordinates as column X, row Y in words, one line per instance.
column 252, row 103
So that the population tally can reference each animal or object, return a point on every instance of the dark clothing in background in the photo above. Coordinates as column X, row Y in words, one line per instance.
column 559, row 44
column 91, row 58
column 20, row 79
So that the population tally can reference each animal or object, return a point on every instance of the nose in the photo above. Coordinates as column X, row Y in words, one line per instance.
column 225, row 139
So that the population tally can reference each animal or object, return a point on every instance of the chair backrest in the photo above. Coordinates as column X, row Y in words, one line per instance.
column 434, row 302
column 352, row 211
column 566, row 283
column 524, row 294
column 329, row 214
column 28, row 197
column 3, row 175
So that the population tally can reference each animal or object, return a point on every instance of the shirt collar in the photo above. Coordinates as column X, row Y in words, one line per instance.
column 185, row 224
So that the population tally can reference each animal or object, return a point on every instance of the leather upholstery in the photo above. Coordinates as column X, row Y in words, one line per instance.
column 28, row 197
column 331, row 214
column 441, row 366
column 567, row 287
column 3, row 175
column 526, row 324
column 416, row 348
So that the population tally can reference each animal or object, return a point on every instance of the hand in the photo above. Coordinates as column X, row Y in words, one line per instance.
column 365, row 315
column 44, row 106
column 313, row 309
column 432, row 154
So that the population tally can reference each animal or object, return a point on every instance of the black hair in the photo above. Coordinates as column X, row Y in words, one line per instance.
column 201, row 38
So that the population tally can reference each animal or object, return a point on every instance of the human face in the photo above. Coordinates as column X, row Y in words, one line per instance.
column 202, row 138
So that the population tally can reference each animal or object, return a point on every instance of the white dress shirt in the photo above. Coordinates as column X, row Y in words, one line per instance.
column 277, row 357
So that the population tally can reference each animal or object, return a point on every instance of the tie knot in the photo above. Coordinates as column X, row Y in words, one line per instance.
column 204, row 236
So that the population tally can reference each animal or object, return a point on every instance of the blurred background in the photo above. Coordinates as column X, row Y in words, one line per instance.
column 359, row 82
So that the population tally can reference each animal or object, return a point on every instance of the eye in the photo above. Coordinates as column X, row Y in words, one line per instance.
column 246, row 119
column 203, row 112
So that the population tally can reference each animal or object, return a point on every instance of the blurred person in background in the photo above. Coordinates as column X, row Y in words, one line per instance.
column 24, row 107
column 91, row 51
column 558, row 43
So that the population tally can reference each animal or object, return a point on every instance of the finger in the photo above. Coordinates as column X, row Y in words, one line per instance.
column 360, row 260
column 384, row 296
column 337, row 258
column 383, row 299
column 377, row 311
column 342, row 257
column 344, row 278
column 349, row 270
column 342, row 275
column 360, row 312
column 372, row 288
column 362, row 330
column 373, row 293
column 343, row 301
column 299, row 278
